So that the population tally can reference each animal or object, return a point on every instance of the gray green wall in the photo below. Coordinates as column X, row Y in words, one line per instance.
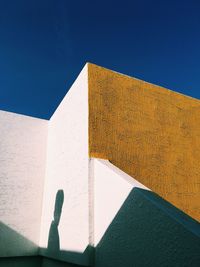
column 148, row 231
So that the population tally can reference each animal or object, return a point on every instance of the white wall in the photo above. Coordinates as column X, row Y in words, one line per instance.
column 67, row 170
column 22, row 168
column 111, row 188
column 94, row 190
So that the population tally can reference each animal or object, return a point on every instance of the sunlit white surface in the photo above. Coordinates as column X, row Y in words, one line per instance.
column 22, row 170
column 94, row 189
column 67, row 169
column 111, row 188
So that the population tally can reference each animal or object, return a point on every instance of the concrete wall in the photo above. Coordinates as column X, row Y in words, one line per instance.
column 22, row 169
column 148, row 132
column 65, row 226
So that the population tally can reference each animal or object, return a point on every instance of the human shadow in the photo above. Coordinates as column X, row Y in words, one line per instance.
column 146, row 231
column 54, row 239
column 54, row 251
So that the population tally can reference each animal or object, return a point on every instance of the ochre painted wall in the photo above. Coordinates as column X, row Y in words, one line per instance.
column 149, row 132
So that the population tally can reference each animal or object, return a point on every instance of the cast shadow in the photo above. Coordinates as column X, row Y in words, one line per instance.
column 54, row 239
column 149, row 231
column 53, row 253
column 146, row 231
column 144, row 225
column 16, row 250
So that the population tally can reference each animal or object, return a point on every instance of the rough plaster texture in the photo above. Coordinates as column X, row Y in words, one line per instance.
column 151, row 133
column 101, row 204
column 144, row 233
column 135, row 227
column 22, row 169
column 67, row 170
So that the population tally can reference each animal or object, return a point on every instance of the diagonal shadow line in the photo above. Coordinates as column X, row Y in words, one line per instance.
column 144, row 225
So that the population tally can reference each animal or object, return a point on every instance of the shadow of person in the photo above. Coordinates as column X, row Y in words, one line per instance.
column 54, row 240
column 53, row 253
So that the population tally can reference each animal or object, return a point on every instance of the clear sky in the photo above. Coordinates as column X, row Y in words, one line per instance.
column 45, row 44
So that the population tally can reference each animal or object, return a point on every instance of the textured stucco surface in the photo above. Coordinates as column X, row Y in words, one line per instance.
column 67, row 170
column 149, row 132
column 22, row 170
column 144, row 233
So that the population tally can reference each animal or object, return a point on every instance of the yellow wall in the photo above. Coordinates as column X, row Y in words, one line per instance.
column 149, row 132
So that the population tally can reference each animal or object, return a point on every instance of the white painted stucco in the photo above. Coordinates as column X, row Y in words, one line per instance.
column 111, row 188
column 22, row 168
column 36, row 165
column 67, row 169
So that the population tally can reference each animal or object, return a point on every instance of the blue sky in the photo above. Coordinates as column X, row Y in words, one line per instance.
column 44, row 45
